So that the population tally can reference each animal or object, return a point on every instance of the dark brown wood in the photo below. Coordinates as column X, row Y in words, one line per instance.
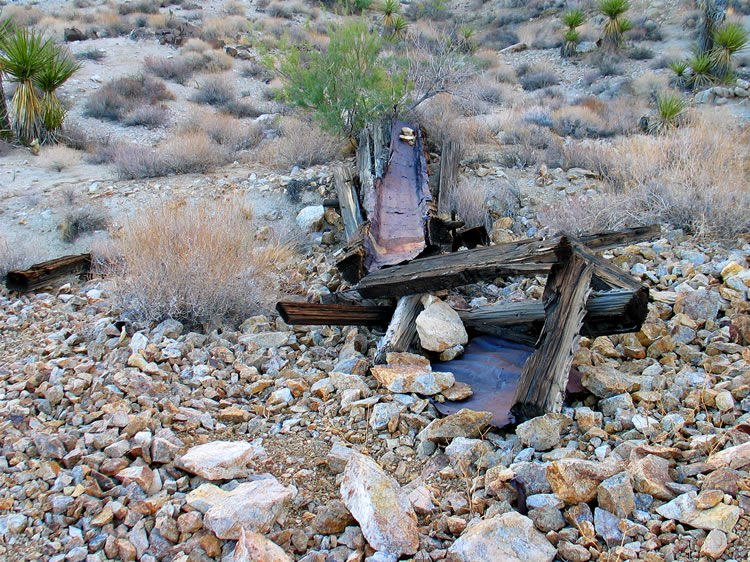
column 401, row 329
column 42, row 274
column 348, row 203
column 351, row 262
column 450, row 156
column 612, row 312
column 545, row 374
column 331, row 203
column 462, row 268
column 309, row 314
column 471, row 238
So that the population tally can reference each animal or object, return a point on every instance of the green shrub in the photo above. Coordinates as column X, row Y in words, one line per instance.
column 729, row 39
column 701, row 66
column 669, row 108
column 616, row 25
column 572, row 18
column 346, row 86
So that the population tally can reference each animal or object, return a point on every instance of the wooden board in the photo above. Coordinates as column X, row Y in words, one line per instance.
column 545, row 374
column 463, row 268
column 310, row 314
column 44, row 273
column 402, row 328
column 348, row 203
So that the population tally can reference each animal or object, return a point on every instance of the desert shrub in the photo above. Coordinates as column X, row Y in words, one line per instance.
column 113, row 24
column 537, row 79
column 443, row 120
column 641, row 53
column 91, row 54
column 214, row 90
column 132, row 161
column 22, row 16
column 138, row 7
column 175, row 69
column 498, row 39
column 226, row 131
column 81, row 220
column 279, row 10
column 608, row 64
column 669, row 109
column 149, row 116
column 302, row 144
column 242, row 109
column 692, row 177
column 122, row 95
column 578, row 122
column 201, row 264
column 210, row 60
column 13, row 255
column 219, row 27
column 58, row 157
column 616, row 23
column 73, row 136
column 645, row 29
column 252, row 69
column 233, row 8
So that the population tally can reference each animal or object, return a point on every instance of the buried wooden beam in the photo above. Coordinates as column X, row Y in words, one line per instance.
column 545, row 374
column 310, row 314
column 402, row 328
column 44, row 273
column 463, row 268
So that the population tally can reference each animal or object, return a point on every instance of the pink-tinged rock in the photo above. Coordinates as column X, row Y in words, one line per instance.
column 252, row 547
column 684, row 509
column 404, row 379
column 220, row 460
column 440, row 327
column 650, row 475
column 381, row 508
column 254, row 506
column 510, row 537
column 141, row 475
column 734, row 457
column 577, row 480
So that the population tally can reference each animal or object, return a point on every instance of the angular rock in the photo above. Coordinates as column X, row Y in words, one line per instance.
column 577, row 480
column 220, row 460
column 543, row 432
column 607, row 526
column 615, row 494
column 683, row 509
column 464, row 423
column 405, row 379
column 439, row 327
column 310, row 219
column 606, row 382
column 252, row 547
column 338, row 457
column 651, row 475
column 381, row 508
column 510, row 537
column 332, row 518
column 459, row 391
column 734, row 457
column 253, row 506
column 715, row 544
column 700, row 305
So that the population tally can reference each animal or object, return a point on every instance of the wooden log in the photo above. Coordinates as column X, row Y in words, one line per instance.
column 44, row 273
column 471, row 238
column 402, row 328
column 463, row 268
column 348, row 203
column 351, row 262
column 612, row 312
column 309, row 314
column 450, row 156
column 545, row 374
column 364, row 169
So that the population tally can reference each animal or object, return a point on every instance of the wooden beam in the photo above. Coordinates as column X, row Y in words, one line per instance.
column 351, row 263
column 309, row 314
column 348, row 203
column 450, row 156
column 463, row 268
column 545, row 374
column 402, row 328
column 44, row 273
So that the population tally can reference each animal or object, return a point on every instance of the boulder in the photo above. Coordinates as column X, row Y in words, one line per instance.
column 381, row 508
column 220, row 460
column 464, row 423
column 440, row 327
column 310, row 219
column 252, row 547
column 543, row 432
column 683, row 509
column 577, row 480
column 405, row 379
column 510, row 537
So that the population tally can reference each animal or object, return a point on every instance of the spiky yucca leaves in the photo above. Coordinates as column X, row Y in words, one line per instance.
column 617, row 24
column 399, row 28
column 48, row 80
column 5, row 129
column 466, row 38
column 700, row 66
column 679, row 67
column 572, row 18
column 25, row 54
column 669, row 108
column 390, row 9
column 729, row 39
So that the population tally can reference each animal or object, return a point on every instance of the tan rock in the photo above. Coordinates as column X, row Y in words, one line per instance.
column 439, row 327
column 459, row 391
column 406, row 379
column 464, row 423
column 220, row 460
column 715, row 544
column 734, row 457
column 252, row 547
column 650, row 476
column 577, row 480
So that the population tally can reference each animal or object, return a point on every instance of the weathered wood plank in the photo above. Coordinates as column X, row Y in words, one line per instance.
column 462, row 268
column 42, row 274
column 545, row 374
column 351, row 213
column 351, row 263
column 309, row 314
column 402, row 328
column 450, row 156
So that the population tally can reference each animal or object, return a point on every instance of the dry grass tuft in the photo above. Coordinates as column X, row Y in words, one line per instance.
column 220, row 27
column 226, row 131
column 215, row 89
column 13, row 255
column 81, row 220
column 201, row 264
column 58, row 157
column 442, row 119
column 121, row 96
column 302, row 144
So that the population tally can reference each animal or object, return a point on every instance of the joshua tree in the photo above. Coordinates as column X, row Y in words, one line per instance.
column 714, row 12
column 390, row 9
column 49, row 79
column 728, row 39
column 617, row 24
column 571, row 18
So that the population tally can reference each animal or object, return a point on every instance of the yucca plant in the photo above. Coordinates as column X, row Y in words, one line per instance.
column 617, row 24
column 5, row 130
column 571, row 18
column 714, row 12
column 466, row 38
column 728, row 39
column 700, row 68
column 390, row 9
column 25, row 54
column 399, row 27
column 669, row 108
column 679, row 67
column 48, row 80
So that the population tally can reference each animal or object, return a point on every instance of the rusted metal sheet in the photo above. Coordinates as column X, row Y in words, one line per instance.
column 492, row 367
column 401, row 201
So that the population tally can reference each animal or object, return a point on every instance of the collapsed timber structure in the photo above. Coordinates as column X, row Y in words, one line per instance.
column 400, row 248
